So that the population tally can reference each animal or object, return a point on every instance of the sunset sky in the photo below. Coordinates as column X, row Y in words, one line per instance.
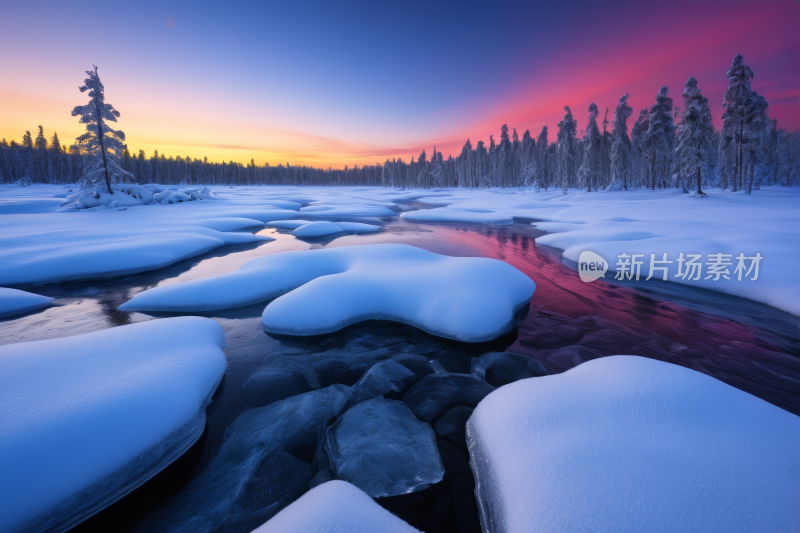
column 335, row 83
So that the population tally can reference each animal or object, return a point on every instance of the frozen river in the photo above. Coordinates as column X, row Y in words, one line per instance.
column 749, row 345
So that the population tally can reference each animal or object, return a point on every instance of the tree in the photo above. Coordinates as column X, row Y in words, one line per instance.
column 542, row 163
column 40, row 158
column 696, row 137
column 100, row 141
column 567, row 151
column 591, row 168
column 660, row 139
column 621, row 145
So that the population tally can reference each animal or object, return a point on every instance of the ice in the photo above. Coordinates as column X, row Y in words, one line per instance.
column 87, row 419
column 453, row 423
column 15, row 302
column 262, row 466
column 628, row 443
column 317, row 229
column 437, row 393
column 502, row 368
column 470, row 299
column 381, row 448
column 335, row 507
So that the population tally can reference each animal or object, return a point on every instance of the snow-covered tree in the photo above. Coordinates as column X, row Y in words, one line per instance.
column 696, row 139
column 567, row 151
column 543, row 175
column 590, row 171
column 660, row 140
column 102, row 143
column 621, row 145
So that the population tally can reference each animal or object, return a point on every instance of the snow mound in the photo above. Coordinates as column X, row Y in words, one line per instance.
column 381, row 448
column 317, row 229
column 289, row 224
column 335, row 507
column 15, row 302
column 627, row 443
column 471, row 299
column 87, row 419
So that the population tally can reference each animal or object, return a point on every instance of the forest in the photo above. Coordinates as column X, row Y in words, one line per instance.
column 668, row 145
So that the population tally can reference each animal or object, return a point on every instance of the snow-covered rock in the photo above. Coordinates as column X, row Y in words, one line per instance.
column 15, row 302
column 381, row 448
column 317, row 229
column 87, row 419
column 358, row 227
column 466, row 298
column 259, row 469
column 289, row 224
column 627, row 443
column 335, row 507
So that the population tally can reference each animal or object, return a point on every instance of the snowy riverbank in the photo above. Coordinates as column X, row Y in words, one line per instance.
column 42, row 242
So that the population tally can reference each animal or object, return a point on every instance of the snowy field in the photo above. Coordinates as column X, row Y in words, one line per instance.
column 41, row 242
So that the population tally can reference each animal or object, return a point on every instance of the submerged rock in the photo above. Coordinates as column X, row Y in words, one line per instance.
column 437, row 393
column 502, row 368
column 259, row 468
column 381, row 448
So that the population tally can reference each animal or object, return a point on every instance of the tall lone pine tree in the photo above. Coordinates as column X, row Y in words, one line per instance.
column 101, row 142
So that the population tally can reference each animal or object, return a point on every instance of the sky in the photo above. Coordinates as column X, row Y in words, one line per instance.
column 331, row 84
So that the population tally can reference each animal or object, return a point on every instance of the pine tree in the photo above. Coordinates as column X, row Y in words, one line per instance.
column 591, row 168
column 101, row 142
column 621, row 145
column 542, row 163
column 567, row 151
column 660, row 139
column 696, row 137
column 40, row 158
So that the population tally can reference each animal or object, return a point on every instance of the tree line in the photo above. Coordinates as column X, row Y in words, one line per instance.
column 668, row 146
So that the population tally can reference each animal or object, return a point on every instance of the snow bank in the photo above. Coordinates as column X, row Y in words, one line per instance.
column 87, row 419
column 317, row 229
column 470, row 299
column 15, row 302
column 289, row 224
column 335, row 507
column 628, row 443
column 323, row 229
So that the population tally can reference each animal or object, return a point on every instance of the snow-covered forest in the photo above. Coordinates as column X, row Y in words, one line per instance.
column 669, row 145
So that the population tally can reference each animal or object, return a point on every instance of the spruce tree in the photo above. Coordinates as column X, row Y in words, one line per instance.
column 696, row 137
column 102, row 143
column 621, row 145
column 567, row 151
column 660, row 139
column 591, row 168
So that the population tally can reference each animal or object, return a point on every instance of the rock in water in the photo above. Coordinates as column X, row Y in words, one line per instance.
column 259, row 469
column 502, row 368
column 383, row 378
column 381, row 448
column 437, row 393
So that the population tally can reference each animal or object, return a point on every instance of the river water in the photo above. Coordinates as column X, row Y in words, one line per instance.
column 748, row 345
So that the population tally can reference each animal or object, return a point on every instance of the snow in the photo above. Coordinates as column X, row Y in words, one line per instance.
column 86, row 419
column 289, row 224
column 44, row 243
column 317, row 229
column 627, row 443
column 335, row 507
column 381, row 448
column 465, row 298
column 15, row 302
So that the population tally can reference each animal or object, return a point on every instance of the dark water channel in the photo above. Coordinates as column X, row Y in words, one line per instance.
column 745, row 344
